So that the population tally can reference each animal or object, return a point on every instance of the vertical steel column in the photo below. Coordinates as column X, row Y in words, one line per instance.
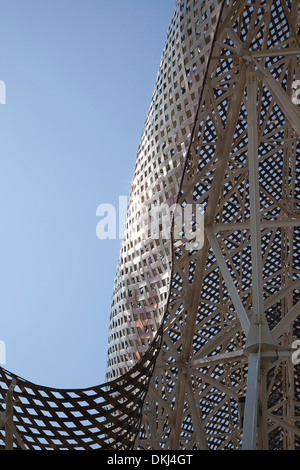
column 259, row 333
column 251, row 405
column 255, row 223
column 9, row 435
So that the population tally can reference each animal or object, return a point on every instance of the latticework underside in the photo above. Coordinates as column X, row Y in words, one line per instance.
column 222, row 131
column 104, row 417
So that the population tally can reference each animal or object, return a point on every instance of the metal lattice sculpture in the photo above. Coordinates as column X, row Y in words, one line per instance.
column 222, row 132
column 104, row 417
column 225, row 378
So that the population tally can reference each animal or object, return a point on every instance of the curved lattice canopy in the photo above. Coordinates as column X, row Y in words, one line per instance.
column 103, row 417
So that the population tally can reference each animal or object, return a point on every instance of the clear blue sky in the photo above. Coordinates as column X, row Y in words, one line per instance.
column 79, row 77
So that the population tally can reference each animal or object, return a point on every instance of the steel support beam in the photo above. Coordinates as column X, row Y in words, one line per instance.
column 271, row 224
column 259, row 330
column 6, row 421
column 196, row 417
column 251, row 406
column 259, row 333
column 239, row 307
column 281, row 97
column 286, row 321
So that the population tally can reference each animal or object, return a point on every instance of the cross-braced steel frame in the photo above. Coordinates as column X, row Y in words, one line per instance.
column 201, row 336
column 225, row 378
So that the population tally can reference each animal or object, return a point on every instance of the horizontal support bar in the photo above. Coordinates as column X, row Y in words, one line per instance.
column 260, row 54
column 221, row 227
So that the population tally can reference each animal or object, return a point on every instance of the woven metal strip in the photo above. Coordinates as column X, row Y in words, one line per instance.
column 103, row 417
